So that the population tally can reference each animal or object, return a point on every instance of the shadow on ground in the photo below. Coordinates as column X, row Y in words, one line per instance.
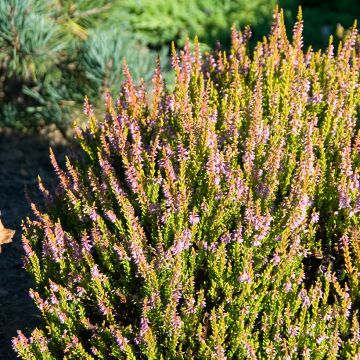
column 22, row 159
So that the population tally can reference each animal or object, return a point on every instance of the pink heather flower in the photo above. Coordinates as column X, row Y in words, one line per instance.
column 321, row 338
column 62, row 317
column 73, row 344
column 300, row 278
column 239, row 189
column 86, row 243
column 136, row 151
column 54, row 287
column 20, row 341
column 53, row 299
column 144, row 326
column 74, row 340
column 165, row 216
column 250, row 352
column 344, row 240
column 316, row 98
column 74, row 246
column 306, row 353
column 357, row 204
column 270, row 351
column 154, row 209
column 88, row 108
column 95, row 274
column 194, row 218
column 94, row 350
column 27, row 248
column 93, row 214
column 167, row 165
column 314, row 217
column 305, row 298
column 41, row 304
column 294, row 330
column 170, row 103
column 213, row 247
column 183, row 242
column 237, row 235
column 59, row 234
column 256, row 242
column 245, row 310
column 42, row 341
column 263, row 190
column 205, row 207
column 220, row 353
column 244, row 277
column 176, row 321
column 183, row 154
column 137, row 253
column 121, row 252
column 154, row 299
column 190, row 306
column 111, row 216
column 344, row 199
column 170, row 201
column 276, row 259
column 287, row 286
column 103, row 308
column 119, row 338
column 132, row 178
column 225, row 238
column 80, row 291
column 50, row 247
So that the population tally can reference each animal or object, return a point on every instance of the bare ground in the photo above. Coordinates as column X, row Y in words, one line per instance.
column 22, row 158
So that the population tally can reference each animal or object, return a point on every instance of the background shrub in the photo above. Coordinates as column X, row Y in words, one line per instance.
column 218, row 220
column 160, row 22
column 53, row 53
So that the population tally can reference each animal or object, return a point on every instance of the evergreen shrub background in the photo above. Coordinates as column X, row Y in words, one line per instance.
column 219, row 220
column 159, row 22
column 55, row 52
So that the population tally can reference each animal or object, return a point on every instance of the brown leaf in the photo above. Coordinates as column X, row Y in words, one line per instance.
column 6, row 235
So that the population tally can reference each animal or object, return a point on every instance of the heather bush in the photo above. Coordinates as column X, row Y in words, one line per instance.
column 218, row 220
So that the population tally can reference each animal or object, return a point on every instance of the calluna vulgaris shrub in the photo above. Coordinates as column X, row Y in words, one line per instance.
column 219, row 220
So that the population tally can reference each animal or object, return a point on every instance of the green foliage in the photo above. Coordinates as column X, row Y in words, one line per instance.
column 322, row 18
column 217, row 220
column 158, row 22
column 100, row 58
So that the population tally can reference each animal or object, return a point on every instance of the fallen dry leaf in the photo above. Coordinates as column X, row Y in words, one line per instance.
column 6, row 235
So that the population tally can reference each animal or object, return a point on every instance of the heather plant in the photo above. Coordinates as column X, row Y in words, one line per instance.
column 217, row 220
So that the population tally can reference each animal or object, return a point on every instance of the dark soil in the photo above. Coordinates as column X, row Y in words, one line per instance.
column 22, row 158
